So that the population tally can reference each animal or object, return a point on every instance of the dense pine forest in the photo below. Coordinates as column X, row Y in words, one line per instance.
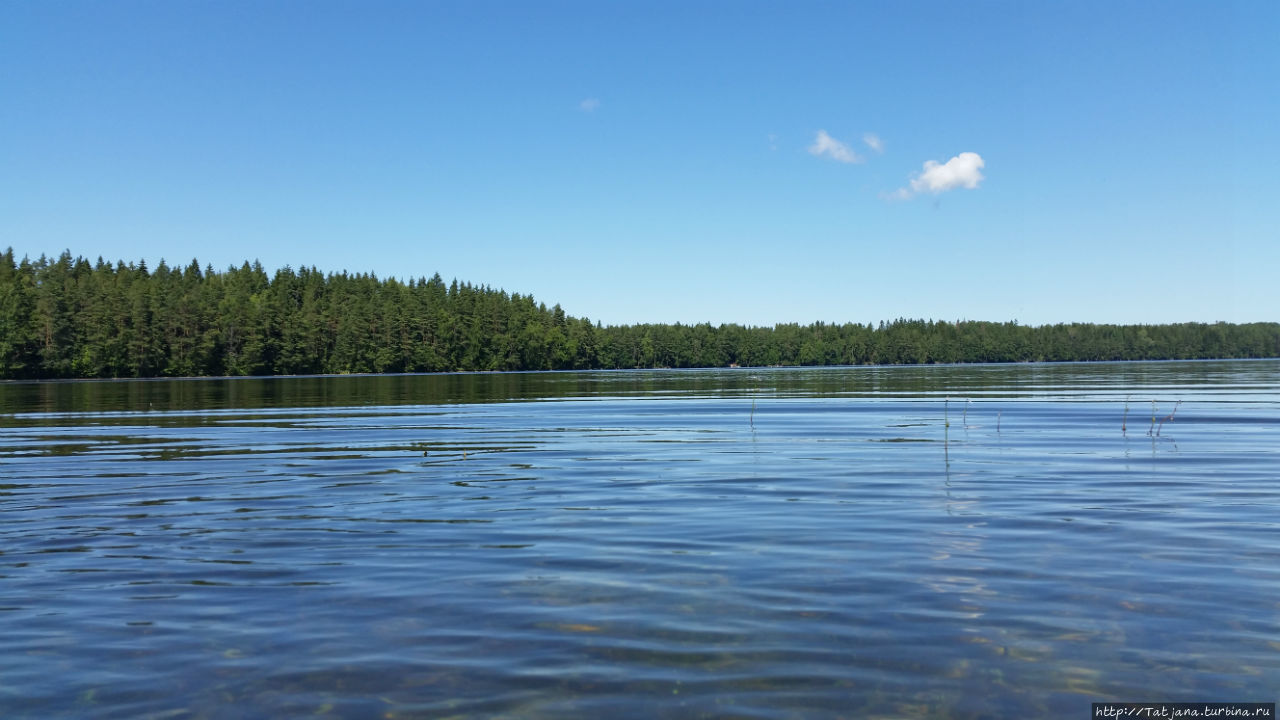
column 69, row 318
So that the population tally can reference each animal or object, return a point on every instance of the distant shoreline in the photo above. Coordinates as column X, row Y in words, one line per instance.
column 66, row 318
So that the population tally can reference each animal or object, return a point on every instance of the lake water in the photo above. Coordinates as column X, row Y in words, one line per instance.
column 942, row 542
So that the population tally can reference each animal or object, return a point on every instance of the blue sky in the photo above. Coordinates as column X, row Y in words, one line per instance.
column 654, row 161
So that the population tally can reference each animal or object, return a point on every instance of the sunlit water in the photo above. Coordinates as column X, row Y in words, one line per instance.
column 966, row 542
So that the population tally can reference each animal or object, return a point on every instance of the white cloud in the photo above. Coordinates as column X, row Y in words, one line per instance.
column 874, row 142
column 962, row 171
column 589, row 105
column 824, row 144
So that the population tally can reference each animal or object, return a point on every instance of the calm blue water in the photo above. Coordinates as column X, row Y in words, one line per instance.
column 959, row 542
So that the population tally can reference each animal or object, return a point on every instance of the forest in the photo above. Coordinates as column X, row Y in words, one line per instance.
column 69, row 318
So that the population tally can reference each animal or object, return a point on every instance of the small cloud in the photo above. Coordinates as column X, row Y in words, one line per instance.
column 874, row 142
column 824, row 144
column 773, row 141
column 961, row 171
column 589, row 105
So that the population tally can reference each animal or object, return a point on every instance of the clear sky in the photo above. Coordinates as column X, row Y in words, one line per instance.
column 655, row 161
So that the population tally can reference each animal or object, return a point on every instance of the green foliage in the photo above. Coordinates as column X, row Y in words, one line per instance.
column 62, row 318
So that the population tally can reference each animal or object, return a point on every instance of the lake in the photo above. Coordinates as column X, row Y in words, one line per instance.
column 970, row 541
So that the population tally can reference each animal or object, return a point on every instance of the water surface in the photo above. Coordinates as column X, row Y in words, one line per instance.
column 962, row 541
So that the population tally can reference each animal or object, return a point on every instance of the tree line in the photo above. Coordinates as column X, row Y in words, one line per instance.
column 68, row 318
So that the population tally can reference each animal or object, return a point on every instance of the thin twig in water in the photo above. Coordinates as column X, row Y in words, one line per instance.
column 1168, row 418
column 998, row 414
column 753, row 413
column 946, row 418
column 1124, row 422
column 1151, row 430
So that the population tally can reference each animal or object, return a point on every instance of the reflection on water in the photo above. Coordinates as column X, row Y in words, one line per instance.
column 969, row 541
column 1222, row 380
